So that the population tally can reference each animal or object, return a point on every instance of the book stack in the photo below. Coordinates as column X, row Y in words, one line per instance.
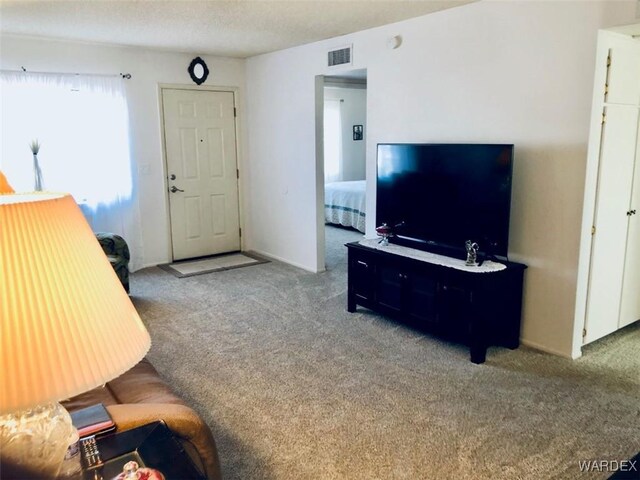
column 93, row 420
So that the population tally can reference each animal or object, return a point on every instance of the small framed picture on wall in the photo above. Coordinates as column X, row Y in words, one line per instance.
column 357, row 132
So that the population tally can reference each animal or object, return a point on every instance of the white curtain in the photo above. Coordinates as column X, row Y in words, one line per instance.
column 332, row 141
column 81, row 122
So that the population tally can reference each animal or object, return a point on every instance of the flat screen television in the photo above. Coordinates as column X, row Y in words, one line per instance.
column 437, row 196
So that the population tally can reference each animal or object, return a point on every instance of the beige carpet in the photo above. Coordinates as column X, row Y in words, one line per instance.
column 294, row 387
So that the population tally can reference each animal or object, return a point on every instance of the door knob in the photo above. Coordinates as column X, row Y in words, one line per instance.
column 172, row 177
column 175, row 189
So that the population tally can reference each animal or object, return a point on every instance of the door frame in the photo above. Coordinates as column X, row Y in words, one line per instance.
column 319, row 84
column 165, row 169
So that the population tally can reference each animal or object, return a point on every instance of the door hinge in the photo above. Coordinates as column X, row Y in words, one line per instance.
column 237, row 173
column 235, row 112
column 240, row 231
column 584, row 332
column 604, row 118
column 593, row 230
column 606, row 82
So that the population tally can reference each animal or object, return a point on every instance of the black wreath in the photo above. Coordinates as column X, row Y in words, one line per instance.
column 205, row 70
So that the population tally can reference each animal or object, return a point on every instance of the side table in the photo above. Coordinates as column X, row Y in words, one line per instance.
column 152, row 445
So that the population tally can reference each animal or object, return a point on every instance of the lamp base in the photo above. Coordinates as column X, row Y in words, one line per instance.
column 36, row 440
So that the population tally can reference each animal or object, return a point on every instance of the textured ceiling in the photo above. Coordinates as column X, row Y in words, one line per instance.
column 240, row 28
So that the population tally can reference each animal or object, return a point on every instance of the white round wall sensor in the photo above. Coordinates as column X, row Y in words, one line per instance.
column 394, row 42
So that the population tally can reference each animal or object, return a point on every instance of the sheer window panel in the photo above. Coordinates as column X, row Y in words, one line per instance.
column 333, row 168
column 81, row 122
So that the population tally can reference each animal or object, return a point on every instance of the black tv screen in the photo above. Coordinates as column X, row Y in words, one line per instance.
column 438, row 196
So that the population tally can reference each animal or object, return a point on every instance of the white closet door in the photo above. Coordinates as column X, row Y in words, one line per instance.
column 618, row 146
column 624, row 74
column 630, row 302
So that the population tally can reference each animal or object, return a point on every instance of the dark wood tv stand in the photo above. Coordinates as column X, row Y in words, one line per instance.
column 480, row 309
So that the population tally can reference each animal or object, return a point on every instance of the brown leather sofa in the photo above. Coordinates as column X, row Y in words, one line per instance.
column 140, row 396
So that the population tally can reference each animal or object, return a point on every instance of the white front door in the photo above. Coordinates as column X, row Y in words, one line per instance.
column 200, row 142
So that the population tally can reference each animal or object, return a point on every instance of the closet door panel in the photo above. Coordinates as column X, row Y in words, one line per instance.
column 624, row 72
column 630, row 302
column 619, row 138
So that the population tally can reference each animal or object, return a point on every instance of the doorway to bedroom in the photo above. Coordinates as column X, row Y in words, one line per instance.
column 344, row 141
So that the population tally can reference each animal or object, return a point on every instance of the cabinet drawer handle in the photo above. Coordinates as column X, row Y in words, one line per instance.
column 363, row 263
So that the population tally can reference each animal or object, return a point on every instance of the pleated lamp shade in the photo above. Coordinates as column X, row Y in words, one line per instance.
column 66, row 323
column 4, row 185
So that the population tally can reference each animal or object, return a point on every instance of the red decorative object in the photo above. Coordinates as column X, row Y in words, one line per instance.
column 384, row 232
column 131, row 471
column 383, row 229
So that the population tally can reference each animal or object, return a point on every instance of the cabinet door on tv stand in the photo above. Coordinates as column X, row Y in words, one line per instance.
column 504, row 300
column 362, row 276
column 390, row 285
column 455, row 310
column 421, row 299
column 408, row 290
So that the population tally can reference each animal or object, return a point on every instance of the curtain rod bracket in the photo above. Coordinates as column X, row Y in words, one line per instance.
column 126, row 76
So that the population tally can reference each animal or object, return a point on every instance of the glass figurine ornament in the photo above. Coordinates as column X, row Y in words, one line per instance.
column 472, row 253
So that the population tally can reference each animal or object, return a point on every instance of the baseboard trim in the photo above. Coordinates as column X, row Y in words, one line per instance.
column 152, row 264
column 258, row 252
column 283, row 260
column 542, row 348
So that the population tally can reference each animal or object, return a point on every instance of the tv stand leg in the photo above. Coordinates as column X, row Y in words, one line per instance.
column 351, row 303
column 512, row 345
column 478, row 343
column 478, row 354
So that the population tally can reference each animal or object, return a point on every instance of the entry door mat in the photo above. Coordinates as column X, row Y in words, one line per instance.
column 215, row 263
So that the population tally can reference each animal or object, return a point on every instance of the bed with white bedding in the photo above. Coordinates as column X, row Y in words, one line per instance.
column 344, row 203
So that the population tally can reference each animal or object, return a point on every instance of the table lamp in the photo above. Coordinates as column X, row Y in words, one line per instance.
column 66, row 325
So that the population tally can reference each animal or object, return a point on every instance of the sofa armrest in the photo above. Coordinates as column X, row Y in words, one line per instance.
column 114, row 245
column 182, row 421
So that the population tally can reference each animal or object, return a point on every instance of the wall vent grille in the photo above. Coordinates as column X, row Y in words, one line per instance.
column 341, row 56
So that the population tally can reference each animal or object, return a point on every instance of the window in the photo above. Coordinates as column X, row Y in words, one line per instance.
column 332, row 141
column 81, row 123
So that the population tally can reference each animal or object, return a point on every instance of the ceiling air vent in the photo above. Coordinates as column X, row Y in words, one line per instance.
column 341, row 56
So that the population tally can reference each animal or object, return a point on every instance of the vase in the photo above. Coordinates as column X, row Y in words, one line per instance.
column 38, row 186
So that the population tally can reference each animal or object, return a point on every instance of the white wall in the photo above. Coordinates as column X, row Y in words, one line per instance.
column 148, row 69
column 354, row 112
column 503, row 72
